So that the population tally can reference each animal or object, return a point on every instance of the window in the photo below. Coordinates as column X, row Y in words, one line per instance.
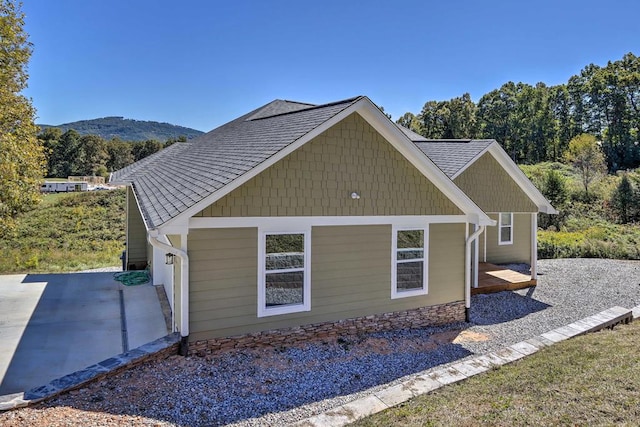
column 284, row 279
column 505, row 229
column 409, row 265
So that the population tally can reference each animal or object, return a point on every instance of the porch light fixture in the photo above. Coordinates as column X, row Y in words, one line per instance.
column 355, row 195
column 168, row 259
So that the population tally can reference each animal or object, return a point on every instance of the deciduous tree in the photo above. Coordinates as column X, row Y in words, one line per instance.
column 22, row 160
column 585, row 155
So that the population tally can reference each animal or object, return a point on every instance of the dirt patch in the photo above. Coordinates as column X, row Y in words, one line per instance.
column 470, row 336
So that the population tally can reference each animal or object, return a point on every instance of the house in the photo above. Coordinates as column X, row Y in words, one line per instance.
column 299, row 220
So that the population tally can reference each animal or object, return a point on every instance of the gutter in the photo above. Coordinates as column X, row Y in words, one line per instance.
column 467, row 270
column 184, row 287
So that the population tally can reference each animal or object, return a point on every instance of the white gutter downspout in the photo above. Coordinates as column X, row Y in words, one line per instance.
column 184, row 287
column 467, row 270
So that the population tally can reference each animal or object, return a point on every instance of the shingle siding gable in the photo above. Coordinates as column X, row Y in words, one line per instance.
column 318, row 179
column 492, row 188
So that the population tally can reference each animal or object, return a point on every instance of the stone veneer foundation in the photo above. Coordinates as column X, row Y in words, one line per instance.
column 417, row 318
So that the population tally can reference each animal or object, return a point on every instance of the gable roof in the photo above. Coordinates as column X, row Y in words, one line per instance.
column 454, row 156
column 178, row 182
column 167, row 183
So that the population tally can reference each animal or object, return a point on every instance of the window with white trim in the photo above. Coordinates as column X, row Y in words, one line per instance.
column 409, row 265
column 505, row 228
column 284, row 283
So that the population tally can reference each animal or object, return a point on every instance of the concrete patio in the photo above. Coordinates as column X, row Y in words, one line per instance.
column 54, row 324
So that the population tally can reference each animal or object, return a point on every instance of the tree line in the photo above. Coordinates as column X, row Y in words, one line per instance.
column 536, row 123
column 72, row 154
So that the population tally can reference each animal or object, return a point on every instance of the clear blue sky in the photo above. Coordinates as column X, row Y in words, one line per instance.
column 201, row 63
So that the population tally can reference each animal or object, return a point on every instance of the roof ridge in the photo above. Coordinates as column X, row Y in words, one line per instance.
column 428, row 140
column 297, row 102
column 312, row 107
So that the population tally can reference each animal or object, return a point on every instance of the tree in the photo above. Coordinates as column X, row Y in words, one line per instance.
column 141, row 150
column 66, row 155
column 93, row 156
column 585, row 155
column 623, row 200
column 461, row 123
column 169, row 142
column 495, row 117
column 21, row 154
column 410, row 121
column 452, row 119
column 432, row 119
column 119, row 154
column 554, row 189
column 50, row 139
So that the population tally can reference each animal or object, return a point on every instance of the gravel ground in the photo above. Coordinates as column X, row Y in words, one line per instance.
column 281, row 386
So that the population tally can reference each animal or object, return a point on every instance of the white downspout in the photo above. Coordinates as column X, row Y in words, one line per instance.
column 467, row 270
column 184, row 287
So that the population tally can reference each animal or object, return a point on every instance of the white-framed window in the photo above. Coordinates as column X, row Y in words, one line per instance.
column 505, row 228
column 409, row 266
column 284, row 273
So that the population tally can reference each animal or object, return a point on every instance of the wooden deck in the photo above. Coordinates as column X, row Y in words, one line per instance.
column 493, row 278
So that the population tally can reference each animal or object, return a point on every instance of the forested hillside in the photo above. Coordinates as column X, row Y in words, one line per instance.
column 127, row 129
column 536, row 123
column 70, row 153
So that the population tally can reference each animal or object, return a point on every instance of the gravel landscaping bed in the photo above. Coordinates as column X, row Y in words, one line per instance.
column 282, row 385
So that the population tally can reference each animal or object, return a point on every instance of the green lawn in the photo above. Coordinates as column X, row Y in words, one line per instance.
column 589, row 380
column 67, row 232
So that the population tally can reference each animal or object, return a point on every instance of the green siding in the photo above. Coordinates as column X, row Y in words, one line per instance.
column 318, row 179
column 492, row 188
column 519, row 251
column 350, row 275
column 446, row 262
column 136, row 234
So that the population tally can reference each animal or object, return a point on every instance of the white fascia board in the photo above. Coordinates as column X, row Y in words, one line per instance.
column 176, row 228
column 302, row 222
column 521, row 179
column 417, row 158
column 218, row 194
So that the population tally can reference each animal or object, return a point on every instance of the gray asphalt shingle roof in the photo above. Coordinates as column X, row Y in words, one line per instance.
column 174, row 179
column 450, row 155
column 453, row 155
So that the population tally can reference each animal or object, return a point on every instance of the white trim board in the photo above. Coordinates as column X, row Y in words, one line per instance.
column 280, row 223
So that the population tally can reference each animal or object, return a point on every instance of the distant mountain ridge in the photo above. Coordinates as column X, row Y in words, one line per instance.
column 127, row 129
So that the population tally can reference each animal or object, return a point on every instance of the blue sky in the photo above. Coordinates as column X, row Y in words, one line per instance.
column 201, row 63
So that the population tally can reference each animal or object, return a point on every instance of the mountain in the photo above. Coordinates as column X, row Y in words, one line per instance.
column 128, row 129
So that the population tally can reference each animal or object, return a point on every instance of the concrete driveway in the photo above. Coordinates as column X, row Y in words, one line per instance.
column 55, row 324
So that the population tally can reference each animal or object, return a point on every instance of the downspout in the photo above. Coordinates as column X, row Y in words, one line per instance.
column 467, row 271
column 184, row 287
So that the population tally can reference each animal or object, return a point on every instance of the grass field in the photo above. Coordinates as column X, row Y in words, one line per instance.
column 589, row 380
column 67, row 232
